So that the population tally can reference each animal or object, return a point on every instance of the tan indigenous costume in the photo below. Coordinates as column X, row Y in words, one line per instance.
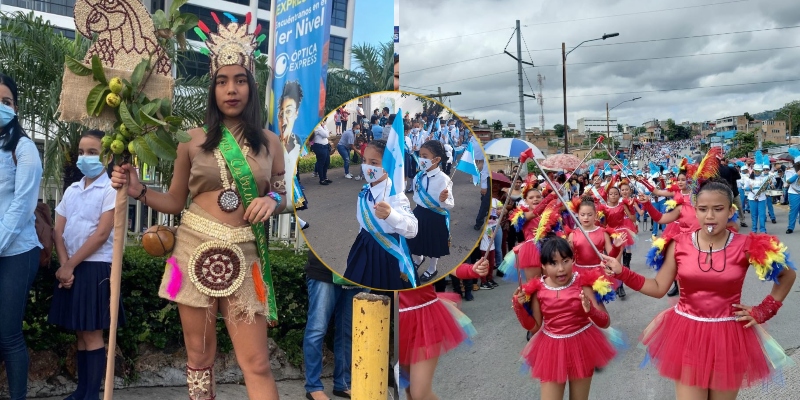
column 216, row 259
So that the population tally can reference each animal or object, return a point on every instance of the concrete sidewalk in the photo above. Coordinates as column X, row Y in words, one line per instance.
column 288, row 389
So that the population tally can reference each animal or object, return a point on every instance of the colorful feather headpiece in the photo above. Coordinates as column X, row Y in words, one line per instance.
column 709, row 166
column 548, row 220
column 530, row 183
column 231, row 44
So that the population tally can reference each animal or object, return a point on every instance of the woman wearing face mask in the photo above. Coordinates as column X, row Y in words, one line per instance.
column 383, row 219
column 434, row 198
column 20, row 175
column 84, row 244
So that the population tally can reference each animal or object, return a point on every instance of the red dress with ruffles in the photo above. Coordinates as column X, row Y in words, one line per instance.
column 585, row 257
column 687, row 222
column 699, row 342
column 616, row 220
column 527, row 251
column 430, row 323
column 568, row 346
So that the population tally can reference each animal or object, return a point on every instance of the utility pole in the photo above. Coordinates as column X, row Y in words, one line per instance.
column 564, row 71
column 439, row 96
column 608, row 130
column 519, row 78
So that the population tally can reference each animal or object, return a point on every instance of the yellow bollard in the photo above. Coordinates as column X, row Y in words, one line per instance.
column 371, row 329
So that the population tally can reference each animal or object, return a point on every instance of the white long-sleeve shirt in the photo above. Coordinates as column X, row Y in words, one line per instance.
column 401, row 220
column 792, row 180
column 321, row 135
column 751, row 186
column 435, row 181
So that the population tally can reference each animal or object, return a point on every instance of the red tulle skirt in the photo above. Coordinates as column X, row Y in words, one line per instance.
column 630, row 224
column 528, row 256
column 710, row 355
column 560, row 360
column 432, row 330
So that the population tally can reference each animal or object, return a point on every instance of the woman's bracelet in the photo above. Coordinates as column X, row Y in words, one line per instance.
column 277, row 197
column 142, row 194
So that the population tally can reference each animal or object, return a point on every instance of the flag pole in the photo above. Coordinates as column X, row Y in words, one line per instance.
column 574, row 218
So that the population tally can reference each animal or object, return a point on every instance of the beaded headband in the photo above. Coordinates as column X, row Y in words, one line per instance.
column 231, row 44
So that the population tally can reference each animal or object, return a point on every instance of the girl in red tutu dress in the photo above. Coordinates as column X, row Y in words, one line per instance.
column 525, row 219
column 567, row 315
column 633, row 208
column 585, row 256
column 709, row 343
column 430, row 326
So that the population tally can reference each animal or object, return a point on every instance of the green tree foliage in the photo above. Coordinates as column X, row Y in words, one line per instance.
column 484, row 122
column 559, row 128
column 793, row 109
column 374, row 73
column 497, row 125
column 743, row 143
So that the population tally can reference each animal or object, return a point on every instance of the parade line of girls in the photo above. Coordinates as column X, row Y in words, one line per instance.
column 709, row 344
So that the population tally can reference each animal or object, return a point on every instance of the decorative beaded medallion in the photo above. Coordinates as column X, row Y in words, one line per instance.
column 229, row 201
column 217, row 268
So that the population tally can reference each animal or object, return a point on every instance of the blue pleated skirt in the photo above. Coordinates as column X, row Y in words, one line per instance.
column 85, row 307
column 433, row 239
column 368, row 264
column 411, row 166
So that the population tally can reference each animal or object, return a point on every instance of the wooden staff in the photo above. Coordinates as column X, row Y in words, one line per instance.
column 120, row 231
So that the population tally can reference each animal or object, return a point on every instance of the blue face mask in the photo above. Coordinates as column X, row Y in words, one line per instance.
column 6, row 115
column 90, row 166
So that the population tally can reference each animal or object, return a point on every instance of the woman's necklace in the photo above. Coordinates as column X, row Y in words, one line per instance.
column 228, row 200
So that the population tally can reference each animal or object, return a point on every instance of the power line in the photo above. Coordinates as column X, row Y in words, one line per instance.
column 622, row 43
column 581, row 19
column 626, row 60
column 648, row 91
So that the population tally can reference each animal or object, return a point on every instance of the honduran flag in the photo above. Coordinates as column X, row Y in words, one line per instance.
column 467, row 163
column 394, row 155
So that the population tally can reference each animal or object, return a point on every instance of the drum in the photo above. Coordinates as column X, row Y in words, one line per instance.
column 774, row 193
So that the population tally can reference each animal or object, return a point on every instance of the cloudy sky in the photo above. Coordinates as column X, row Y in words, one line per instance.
column 471, row 35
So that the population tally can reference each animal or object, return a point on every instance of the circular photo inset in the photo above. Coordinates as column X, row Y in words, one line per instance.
column 397, row 186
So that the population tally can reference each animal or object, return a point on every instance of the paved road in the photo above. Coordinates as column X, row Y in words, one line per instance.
column 332, row 215
column 289, row 389
column 490, row 369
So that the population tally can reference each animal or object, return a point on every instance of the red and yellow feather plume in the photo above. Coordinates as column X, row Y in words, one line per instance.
column 547, row 221
column 709, row 167
column 768, row 256
column 517, row 218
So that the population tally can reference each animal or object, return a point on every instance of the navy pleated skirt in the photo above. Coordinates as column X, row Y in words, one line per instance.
column 433, row 239
column 411, row 166
column 85, row 306
column 368, row 264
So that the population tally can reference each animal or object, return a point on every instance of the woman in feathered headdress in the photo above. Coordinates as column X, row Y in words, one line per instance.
column 711, row 344
column 219, row 227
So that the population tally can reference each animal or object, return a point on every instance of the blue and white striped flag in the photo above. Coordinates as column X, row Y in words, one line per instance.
column 467, row 163
column 394, row 155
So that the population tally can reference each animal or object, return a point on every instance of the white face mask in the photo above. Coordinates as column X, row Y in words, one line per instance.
column 371, row 172
column 425, row 163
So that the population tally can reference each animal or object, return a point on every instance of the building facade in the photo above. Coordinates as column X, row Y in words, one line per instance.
column 597, row 125
column 774, row 131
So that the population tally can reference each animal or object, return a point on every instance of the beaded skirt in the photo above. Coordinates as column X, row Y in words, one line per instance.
column 213, row 260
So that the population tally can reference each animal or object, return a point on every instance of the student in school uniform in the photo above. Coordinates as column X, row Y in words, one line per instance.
column 84, row 242
column 383, row 219
column 433, row 195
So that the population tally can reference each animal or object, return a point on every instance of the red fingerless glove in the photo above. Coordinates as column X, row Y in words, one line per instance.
column 630, row 278
column 655, row 214
column 766, row 310
column 599, row 318
column 526, row 320
column 464, row 271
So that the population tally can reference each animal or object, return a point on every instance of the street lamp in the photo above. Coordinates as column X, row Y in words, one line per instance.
column 608, row 127
column 564, row 54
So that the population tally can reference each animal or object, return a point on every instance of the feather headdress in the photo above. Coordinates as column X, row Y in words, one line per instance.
column 232, row 44
column 795, row 154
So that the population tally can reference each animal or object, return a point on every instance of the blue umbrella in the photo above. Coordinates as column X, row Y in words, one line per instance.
column 510, row 147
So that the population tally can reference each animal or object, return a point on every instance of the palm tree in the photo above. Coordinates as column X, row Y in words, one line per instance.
column 374, row 73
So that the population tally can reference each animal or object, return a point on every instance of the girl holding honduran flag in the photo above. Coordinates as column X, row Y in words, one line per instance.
column 434, row 198
column 379, row 257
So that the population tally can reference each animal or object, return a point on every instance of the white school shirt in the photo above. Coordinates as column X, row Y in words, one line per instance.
column 82, row 209
column 794, row 188
column 435, row 181
column 401, row 220
column 486, row 244
column 415, row 138
column 752, row 186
